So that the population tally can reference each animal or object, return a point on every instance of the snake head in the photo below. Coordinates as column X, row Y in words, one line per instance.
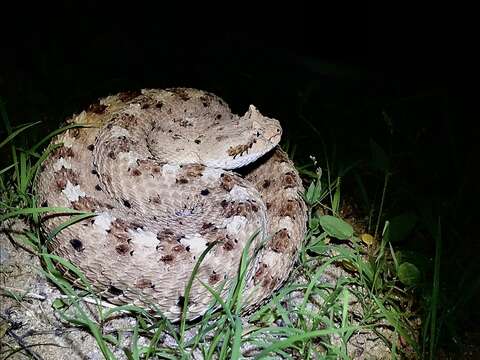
column 258, row 135
column 264, row 128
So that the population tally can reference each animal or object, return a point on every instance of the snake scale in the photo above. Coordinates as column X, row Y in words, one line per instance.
column 168, row 172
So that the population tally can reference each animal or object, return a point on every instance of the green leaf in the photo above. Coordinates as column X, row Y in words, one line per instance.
column 318, row 190
column 309, row 193
column 58, row 304
column 319, row 249
column 336, row 227
column 408, row 274
column 314, row 223
column 421, row 261
column 314, row 192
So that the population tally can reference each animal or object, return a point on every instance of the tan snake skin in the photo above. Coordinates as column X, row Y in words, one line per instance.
column 168, row 172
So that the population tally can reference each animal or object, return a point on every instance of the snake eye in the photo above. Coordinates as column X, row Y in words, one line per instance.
column 258, row 133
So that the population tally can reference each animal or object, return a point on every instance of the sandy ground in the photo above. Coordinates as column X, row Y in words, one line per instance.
column 30, row 323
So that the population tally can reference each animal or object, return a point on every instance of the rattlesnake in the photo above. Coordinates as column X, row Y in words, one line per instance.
column 157, row 168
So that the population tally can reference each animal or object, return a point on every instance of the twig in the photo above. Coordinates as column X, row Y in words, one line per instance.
column 24, row 345
column 7, row 290
column 93, row 301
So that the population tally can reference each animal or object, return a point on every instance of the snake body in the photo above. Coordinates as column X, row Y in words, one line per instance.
column 167, row 173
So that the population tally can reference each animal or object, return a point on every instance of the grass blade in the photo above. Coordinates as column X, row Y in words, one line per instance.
column 37, row 210
column 12, row 135
column 71, row 221
column 237, row 335
column 56, row 132
column 188, row 287
column 283, row 344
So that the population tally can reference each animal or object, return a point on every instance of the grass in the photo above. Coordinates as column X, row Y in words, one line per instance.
column 309, row 317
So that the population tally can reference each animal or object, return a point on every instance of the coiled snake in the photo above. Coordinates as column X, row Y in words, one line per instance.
column 168, row 172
